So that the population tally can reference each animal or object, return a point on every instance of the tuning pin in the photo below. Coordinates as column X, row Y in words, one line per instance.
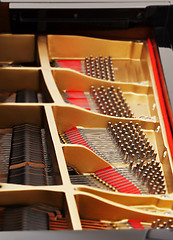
column 169, row 223
column 153, row 225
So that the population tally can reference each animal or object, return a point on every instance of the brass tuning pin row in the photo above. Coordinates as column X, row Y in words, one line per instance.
column 140, row 155
column 150, row 173
column 111, row 101
column 100, row 67
column 132, row 141
column 158, row 224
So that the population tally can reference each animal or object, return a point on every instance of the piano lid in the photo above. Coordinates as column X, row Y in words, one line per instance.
column 83, row 4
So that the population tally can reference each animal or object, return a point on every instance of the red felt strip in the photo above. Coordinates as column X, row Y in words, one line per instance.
column 76, row 94
column 161, row 96
column 80, row 102
column 122, row 184
column 117, row 180
column 73, row 64
column 108, row 173
column 78, row 98
column 135, row 224
column 126, row 187
column 163, row 85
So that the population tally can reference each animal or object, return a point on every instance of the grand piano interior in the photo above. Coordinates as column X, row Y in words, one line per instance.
column 86, row 119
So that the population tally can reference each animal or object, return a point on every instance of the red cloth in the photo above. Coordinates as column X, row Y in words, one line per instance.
column 76, row 94
column 81, row 102
column 78, row 98
column 117, row 180
column 135, row 224
column 73, row 64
